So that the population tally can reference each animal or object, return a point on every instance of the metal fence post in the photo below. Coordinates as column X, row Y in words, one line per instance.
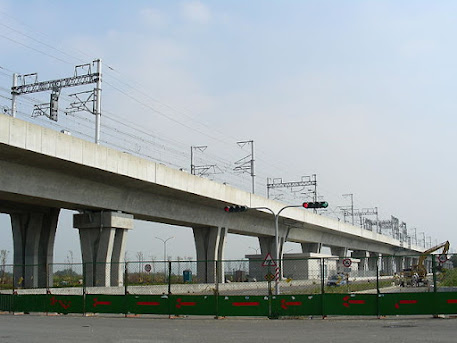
column 322, row 276
column 435, row 281
column 378, row 291
column 169, row 277
column 84, row 288
column 126, row 292
column 216, row 290
column 126, row 278
column 13, row 301
column 322, row 287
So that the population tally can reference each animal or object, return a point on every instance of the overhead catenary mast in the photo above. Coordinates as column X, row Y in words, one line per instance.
column 50, row 109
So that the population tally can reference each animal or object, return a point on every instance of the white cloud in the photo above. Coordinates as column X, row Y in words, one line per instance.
column 195, row 11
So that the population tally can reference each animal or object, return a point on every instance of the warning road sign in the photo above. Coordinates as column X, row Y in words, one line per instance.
column 442, row 258
column 269, row 277
column 347, row 262
column 268, row 261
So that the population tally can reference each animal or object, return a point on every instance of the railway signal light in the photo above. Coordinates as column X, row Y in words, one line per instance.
column 315, row 204
column 235, row 208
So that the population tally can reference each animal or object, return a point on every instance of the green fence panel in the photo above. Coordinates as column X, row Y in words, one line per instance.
column 193, row 304
column 30, row 303
column 350, row 304
column 446, row 303
column 66, row 303
column 6, row 302
column 407, row 303
column 296, row 305
column 100, row 303
column 244, row 305
column 148, row 304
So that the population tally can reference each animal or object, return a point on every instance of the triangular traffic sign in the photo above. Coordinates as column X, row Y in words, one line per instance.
column 268, row 261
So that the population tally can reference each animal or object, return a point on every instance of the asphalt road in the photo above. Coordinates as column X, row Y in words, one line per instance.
column 40, row 328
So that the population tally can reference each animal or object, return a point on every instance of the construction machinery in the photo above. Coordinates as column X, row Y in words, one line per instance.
column 417, row 274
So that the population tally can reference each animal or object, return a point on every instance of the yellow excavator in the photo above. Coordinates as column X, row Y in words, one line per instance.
column 417, row 274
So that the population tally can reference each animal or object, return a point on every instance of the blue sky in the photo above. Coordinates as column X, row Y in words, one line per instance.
column 360, row 93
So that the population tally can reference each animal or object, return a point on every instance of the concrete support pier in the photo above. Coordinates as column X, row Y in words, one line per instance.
column 311, row 248
column 210, row 243
column 267, row 245
column 34, row 232
column 103, row 236
column 362, row 256
column 338, row 251
column 399, row 263
column 373, row 261
column 387, row 265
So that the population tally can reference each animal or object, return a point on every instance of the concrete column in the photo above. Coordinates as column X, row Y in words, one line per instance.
column 373, row 259
column 428, row 265
column 407, row 262
column 399, row 263
column 387, row 264
column 311, row 248
column 209, row 243
column 362, row 255
column 267, row 245
column 103, row 237
column 118, row 257
column 33, row 239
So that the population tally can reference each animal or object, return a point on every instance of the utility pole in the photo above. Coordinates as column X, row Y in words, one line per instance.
column 82, row 76
column 244, row 165
column 13, row 96
column 415, row 235
column 202, row 169
column 352, row 205
column 423, row 238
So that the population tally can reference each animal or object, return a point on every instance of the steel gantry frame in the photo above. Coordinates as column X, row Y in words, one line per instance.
column 305, row 181
column 55, row 86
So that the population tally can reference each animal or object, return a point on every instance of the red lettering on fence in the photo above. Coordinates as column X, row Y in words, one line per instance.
column 356, row 302
column 285, row 304
column 64, row 304
column 97, row 303
column 148, row 303
column 252, row 303
column 180, row 303
column 405, row 302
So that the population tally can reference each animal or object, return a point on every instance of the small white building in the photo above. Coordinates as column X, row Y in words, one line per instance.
column 302, row 266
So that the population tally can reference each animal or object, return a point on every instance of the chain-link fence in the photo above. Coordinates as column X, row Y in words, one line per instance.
column 6, row 278
column 293, row 276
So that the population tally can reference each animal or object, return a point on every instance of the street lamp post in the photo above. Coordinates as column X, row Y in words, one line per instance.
column 237, row 208
column 165, row 253
column 277, row 255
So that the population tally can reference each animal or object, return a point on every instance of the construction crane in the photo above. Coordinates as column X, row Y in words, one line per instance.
column 417, row 274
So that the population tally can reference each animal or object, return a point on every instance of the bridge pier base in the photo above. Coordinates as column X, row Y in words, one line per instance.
column 34, row 232
column 103, row 236
column 209, row 244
